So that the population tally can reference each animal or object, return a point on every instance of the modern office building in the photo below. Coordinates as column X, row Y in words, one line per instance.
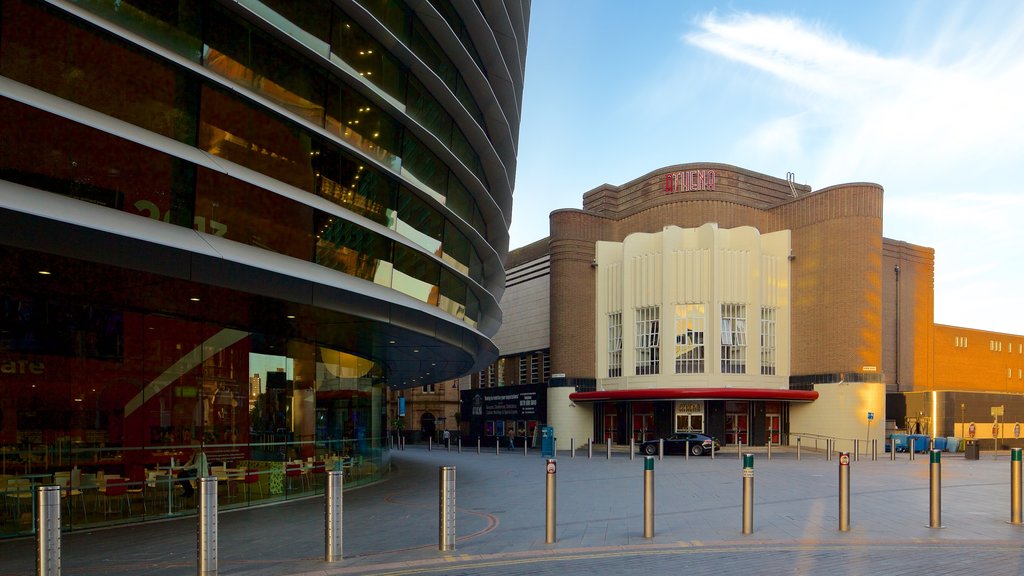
column 234, row 224
column 705, row 297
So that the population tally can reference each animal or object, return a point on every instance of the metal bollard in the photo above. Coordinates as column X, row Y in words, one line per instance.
column 661, row 449
column 797, row 448
column 332, row 517
column 448, row 444
column 829, row 444
column 207, row 526
column 446, row 509
column 892, row 448
column 748, row 493
column 572, row 447
column 769, row 448
column 497, row 446
column 874, row 449
column 48, row 531
column 856, row 449
column 712, row 451
column 460, row 444
column 844, row 491
column 648, row 496
column 935, row 501
column 609, row 452
column 430, row 443
column 526, row 447
column 590, row 447
column 478, row 445
column 739, row 449
column 632, row 448
column 1015, row 493
column 687, row 450
column 912, row 447
column 549, row 518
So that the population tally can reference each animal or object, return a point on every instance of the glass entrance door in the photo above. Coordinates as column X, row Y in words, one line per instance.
column 610, row 425
column 772, row 427
column 643, row 424
column 736, row 428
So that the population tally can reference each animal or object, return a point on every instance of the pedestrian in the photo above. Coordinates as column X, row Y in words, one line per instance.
column 195, row 467
column 511, row 440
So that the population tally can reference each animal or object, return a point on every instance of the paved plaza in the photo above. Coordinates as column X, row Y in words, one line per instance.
column 392, row 527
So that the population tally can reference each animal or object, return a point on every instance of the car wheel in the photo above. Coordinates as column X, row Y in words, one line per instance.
column 696, row 449
column 650, row 450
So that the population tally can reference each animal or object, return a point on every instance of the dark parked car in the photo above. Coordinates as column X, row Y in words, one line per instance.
column 676, row 444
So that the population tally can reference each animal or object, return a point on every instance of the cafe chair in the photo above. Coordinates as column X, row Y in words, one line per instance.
column 252, row 477
column 116, row 488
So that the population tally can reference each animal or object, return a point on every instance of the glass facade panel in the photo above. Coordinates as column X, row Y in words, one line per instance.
column 173, row 23
column 249, row 58
column 352, row 118
column 347, row 182
column 131, row 393
column 423, row 166
column 245, row 213
column 416, row 275
column 74, row 160
column 352, row 249
column 246, row 135
column 65, row 59
column 420, row 223
column 367, row 56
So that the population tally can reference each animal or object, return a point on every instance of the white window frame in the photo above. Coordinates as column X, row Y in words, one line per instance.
column 734, row 338
column 647, row 346
column 769, row 339
column 691, row 348
column 615, row 344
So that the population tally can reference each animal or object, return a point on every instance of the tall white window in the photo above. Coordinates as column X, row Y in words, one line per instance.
column 524, row 369
column 768, row 340
column 689, row 351
column 615, row 345
column 647, row 342
column 734, row 338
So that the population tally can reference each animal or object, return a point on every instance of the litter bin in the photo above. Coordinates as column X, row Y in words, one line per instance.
column 971, row 451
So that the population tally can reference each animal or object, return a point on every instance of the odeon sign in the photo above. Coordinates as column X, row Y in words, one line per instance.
column 690, row 181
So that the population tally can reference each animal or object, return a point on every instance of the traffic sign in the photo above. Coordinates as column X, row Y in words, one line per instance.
column 844, row 459
column 871, row 415
column 551, row 467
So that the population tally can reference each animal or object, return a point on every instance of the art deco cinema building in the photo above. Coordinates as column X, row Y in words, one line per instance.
column 236, row 222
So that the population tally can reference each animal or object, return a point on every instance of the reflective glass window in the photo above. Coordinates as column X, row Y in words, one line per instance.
column 347, row 182
column 248, row 57
column 416, row 275
column 419, row 222
column 173, row 23
column 424, row 45
column 352, row 249
column 419, row 163
column 355, row 120
column 428, row 112
column 456, row 248
column 310, row 15
column 251, row 215
column 453, row 294
column 394, row 14
column 78, row 64
column 368, row 57
column 75, row 160
column 252, row 137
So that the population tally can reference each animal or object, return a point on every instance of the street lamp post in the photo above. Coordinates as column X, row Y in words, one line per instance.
column 962, row 421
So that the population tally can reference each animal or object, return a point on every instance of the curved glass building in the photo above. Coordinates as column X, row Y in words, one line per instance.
column 228, row 226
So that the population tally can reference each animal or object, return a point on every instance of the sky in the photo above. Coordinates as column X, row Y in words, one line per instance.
column 924, row 98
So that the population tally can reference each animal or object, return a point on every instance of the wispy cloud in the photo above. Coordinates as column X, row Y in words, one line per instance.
column 881, row 111
column 941, row 128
